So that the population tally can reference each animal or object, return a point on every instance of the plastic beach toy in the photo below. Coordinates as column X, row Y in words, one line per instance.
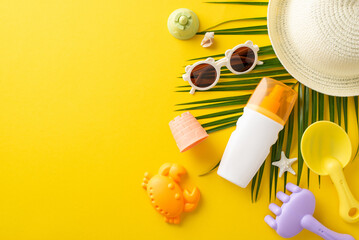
column 296, row 214
column 257, row 130
column 187, row 131
column 166, row 195
column 326, row 149
column 183, row 23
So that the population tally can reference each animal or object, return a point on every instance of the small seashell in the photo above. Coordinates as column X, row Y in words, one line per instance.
column 208, row 39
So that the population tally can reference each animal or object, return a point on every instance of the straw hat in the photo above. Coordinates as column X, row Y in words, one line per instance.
column 317, row 41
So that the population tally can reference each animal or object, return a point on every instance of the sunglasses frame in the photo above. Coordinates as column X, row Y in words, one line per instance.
column 217, row 65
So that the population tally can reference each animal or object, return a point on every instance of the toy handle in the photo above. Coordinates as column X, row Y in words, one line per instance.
column 312, row 224
column 348, row 205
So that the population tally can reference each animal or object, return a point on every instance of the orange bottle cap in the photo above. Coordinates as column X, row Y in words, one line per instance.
column 273, row 99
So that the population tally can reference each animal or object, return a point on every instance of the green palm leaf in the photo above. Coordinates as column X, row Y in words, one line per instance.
column 278, row 155
column 255, row 74
column 331, row 108
column 264, row 53
column 225, row 99
column 252, row 81
column 228, row 103
column 320, row 115
column 260, row 32
column 221, row 127
column 266, row 48
column 314, row 119
column 290, row 127
column 260, row 175
column 221, row 121
column 314, row 106
column 356, row 103
column 223, row 89
column 210, row 56
column 339, row 109
column 221, row 113
column 275, row 155
column 301, row 112
column 320, row 107
column 356, row 107
column 259, row 27
column 345, row 111
column 237, row 20
column 306, row 118
column 215, row 166
column 253, row 185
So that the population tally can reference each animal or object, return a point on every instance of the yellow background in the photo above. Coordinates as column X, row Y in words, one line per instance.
column 87, row 91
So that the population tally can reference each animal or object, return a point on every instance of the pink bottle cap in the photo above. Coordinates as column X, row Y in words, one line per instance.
column 187, row 131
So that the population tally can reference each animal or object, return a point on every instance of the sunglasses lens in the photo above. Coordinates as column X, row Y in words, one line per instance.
column 203, row 75
column 242, row 59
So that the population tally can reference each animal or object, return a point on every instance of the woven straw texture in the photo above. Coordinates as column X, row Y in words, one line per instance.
column 317, row 41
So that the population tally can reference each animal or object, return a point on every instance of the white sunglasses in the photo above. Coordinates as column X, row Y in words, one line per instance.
column 204, row 75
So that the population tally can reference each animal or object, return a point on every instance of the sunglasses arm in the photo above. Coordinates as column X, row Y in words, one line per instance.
column 192, row 90
column 259, row 62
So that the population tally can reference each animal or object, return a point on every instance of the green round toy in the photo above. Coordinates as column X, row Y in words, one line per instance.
column 183, row 23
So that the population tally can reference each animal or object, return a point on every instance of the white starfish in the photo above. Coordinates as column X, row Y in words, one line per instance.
column 285, row 164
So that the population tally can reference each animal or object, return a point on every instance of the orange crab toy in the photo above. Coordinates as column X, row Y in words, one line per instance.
column 166, row 195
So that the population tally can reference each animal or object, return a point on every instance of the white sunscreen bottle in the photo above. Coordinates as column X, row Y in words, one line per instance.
column 257, row 130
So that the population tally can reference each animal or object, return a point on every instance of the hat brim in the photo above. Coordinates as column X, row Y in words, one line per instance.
column 289, row 58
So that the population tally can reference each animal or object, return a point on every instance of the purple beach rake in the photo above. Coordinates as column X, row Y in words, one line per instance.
column 296, row 214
